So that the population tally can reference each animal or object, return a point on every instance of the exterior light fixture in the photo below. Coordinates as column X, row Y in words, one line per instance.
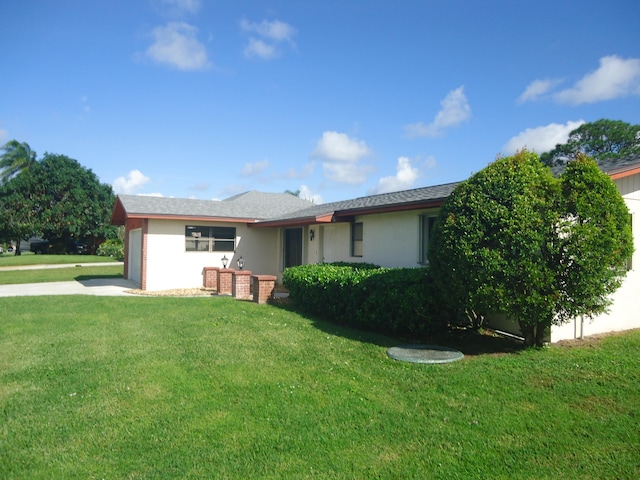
column 225, row 260
column 241, row 263
column 312, row 234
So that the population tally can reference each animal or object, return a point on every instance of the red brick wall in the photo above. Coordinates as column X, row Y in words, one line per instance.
column 225, row 281
column 210, row 277
column 242, row 284
column 263, row 286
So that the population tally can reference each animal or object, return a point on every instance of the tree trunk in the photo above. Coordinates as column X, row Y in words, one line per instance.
column 533, row 334
column 528, row 333
column 541, row 329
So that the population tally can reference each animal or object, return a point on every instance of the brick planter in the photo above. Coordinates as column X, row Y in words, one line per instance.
column 225, row 281
column 242, row 284
column 210, row 277
column 263, row 286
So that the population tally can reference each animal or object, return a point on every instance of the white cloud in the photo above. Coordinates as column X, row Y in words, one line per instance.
column 455, row 110
column 190, row 6
column 350, row 173
column 260, row 49
column 341, row 156
column 176, row 45
column 339, row 147
column 404, row 179
column 254, row 168
column 130, row 183
column 3, row 136
column 537, row 88
column 307, row 194
column 541, row 139
column 275, row 30
column 615, row 78
column 271, row 35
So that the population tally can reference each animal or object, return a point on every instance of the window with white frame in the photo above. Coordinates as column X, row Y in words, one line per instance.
column 357, row 231
column 209, row 239
column 426, row 225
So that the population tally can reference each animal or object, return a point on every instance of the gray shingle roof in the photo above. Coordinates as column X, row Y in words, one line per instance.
column 394, row 199
column 608, row 165
column 266, row 207
column 250, row 205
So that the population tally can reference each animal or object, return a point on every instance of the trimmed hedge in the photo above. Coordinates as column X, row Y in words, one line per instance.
column 397, row 301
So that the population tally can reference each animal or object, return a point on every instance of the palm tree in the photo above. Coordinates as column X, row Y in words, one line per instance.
column 17, row 157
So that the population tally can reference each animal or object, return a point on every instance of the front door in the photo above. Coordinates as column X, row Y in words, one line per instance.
column 292, row 247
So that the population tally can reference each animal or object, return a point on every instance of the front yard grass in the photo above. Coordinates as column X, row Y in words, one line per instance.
column 66, row 274
column 28, row 258
column 99, row 387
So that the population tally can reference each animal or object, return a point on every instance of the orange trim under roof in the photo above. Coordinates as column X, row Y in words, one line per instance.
column 296, row 222
column 622, row 172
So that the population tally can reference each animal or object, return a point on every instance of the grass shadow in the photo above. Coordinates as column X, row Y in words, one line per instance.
column 469, row 342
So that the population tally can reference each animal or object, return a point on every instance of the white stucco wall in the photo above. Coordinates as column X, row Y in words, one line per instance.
column 623, row 314
column 169, row 265
column 389, row 239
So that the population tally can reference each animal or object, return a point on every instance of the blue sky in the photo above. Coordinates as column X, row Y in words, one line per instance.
column 338, row 99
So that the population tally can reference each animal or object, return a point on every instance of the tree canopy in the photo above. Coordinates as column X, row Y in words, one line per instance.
column 517, row 240
column 59, row 200
column 602, row 140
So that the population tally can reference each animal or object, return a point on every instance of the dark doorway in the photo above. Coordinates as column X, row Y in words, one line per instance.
column 292, row 247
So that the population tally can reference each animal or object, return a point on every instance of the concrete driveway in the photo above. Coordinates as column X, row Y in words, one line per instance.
column 94, row 286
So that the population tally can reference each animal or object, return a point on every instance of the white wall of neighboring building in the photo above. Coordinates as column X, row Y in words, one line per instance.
column 169, row 265
column 623, row 314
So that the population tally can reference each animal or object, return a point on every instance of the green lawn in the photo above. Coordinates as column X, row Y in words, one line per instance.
column 139, row 388
column 9, row 277
column 27, row 258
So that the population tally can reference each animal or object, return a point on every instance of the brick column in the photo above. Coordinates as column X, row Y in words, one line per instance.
column 225, row 281
column 263, row 286
column 242, row 284
column 210, row 277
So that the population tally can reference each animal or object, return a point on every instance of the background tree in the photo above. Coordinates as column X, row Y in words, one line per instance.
column 514, row 239
column 602, row 140
column 17, row 158
column 59, row 200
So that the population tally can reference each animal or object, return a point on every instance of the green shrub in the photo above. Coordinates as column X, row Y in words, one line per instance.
column 387, row 300
column 112, row 248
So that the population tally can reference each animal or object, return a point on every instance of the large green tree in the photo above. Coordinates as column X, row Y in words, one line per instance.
column 602, row 140
column 517, row 240
column 59, row 200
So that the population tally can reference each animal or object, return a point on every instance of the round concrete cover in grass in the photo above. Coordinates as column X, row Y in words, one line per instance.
column 424, row 354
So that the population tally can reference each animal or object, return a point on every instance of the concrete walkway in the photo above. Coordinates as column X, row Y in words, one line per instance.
column 94, row 286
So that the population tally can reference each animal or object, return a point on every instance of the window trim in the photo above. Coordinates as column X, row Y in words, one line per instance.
column 208, row 235
column 357, row 239
column 425, row 220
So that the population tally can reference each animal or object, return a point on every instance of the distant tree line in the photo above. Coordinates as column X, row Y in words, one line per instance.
column 600, row 140
column 54, row 198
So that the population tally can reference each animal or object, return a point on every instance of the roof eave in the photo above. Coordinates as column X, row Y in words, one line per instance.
column 624, row 172
column 296, row 222
column 423, row 204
